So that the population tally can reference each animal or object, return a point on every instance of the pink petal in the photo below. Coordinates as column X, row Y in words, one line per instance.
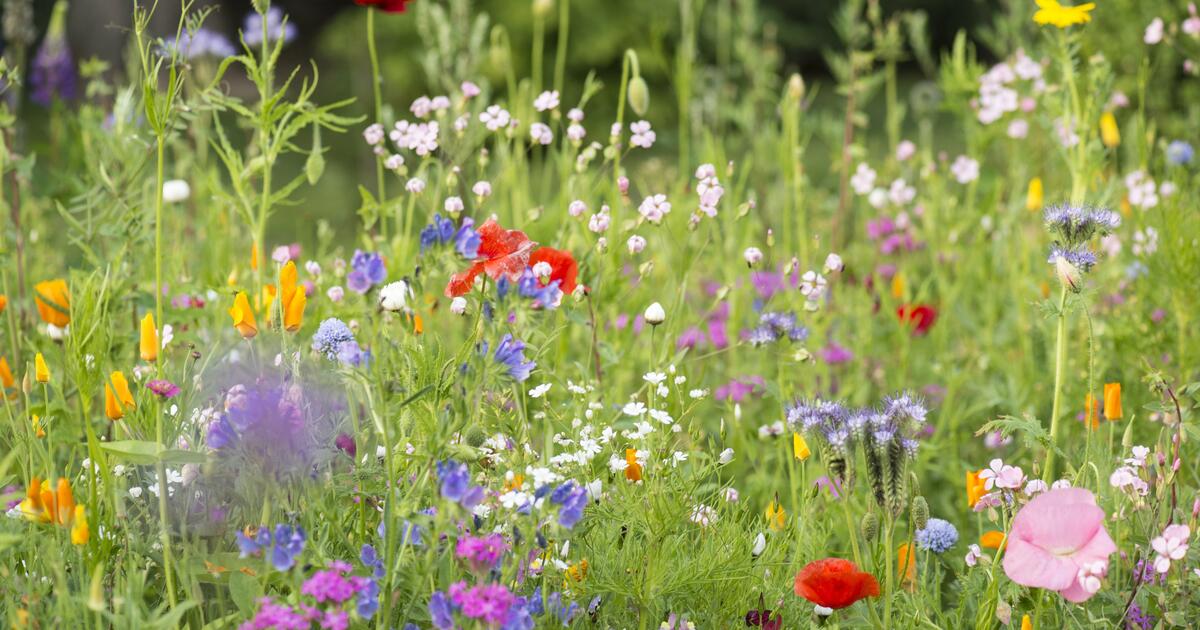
column 1060, row 521
column 1029, row 565
column 1076, row 593
column 1099, row 548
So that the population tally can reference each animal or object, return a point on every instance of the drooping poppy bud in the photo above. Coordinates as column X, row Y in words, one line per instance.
column 1035, row 197
column 800, row 448
column 1112, row 401
column 117, row 397
column 53, row 301
column 1110, row 135
column 41, row 372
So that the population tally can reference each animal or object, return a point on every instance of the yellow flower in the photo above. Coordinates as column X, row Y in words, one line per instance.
column 79, row 529
column 898, row 286
column 1112, row 401
column 1109, row 133
column 776, row 516
column 53, row 301
column 1051, row 12
column 992, row 539
column 254, row 256
column 3, row 302
column 148, row 343
column 42, row 505
column 37, row 427
column 1035, row 197
column 40, row 371
column 292, row 299
column 976, row 487
column 577, row 572
column 800, row 447
column 1026, row 623
column 117, row 397
column 243, row 316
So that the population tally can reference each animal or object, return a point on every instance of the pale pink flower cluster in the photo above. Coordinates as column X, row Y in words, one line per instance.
column 1001, row 476
column 420, row 138
column 1143, row 191
column 1171, row 546
column 998, row 93
column 643, row 135
column 965, row 169
column 709, row 188
column 495, row 118
column 654, row 208
column 424, row 106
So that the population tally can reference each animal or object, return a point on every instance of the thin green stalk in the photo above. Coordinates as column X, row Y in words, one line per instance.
column 377, row 90
column 1060, row 359
column 164, row 533
column 564, row 32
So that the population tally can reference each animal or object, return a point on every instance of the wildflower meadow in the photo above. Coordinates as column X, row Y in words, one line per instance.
column 457, row 316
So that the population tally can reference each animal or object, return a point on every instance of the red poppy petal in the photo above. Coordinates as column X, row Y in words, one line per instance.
column 460, row 283
column 562, row 264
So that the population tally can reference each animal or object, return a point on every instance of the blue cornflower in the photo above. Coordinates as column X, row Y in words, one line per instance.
column 439, row 231
column 511, row 353
column 440, row 612
column 938, row 536
column 1180, row 153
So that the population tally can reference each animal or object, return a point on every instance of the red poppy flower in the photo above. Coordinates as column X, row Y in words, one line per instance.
column 835, row 583
column 387, row 6
column 562, row 267
column 501, row 253
column 919, row 316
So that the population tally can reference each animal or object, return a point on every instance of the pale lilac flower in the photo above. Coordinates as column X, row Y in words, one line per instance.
column 812, row 285
column 453, row 205
column 1034, row 486
column 575, row 115
column 965, row 169
column 546, row 101
column 394, row 162
column 636, row 244
column 833, row 263
column 373, row 134
column 335, row 293
column 1018, row 129
column 576, row 208
column 752, row 255
column 495, row 118
column 1172, row 545
column 900, row 193
column 905, row 150
column 482, row 189
column 541, row 133
column 974, row 553
column 643, row 136
column 1154, row 32
column 1191, row 26
column 421, row 107
column 599, row 222
column 654, row 208
column 415, row 185
column 576, row 133
column 863, row 180
column 1001, row 475
column 469, row 90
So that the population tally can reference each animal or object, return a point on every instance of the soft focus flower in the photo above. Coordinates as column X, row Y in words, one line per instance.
column 918, row 316
column 55, row 507
column 1051, row 12
column 976, row 487
column 1180, row 153
column 1112, row 401
column 243, row 316
column 117, row 397
column 655, row 314
column 992, row 539
column 53, row 302
column 776, row 516
column 148, row 339
column 41, row 372
column 501, row 253
column 176, row 190
column 394, row 296
column 387, row 6
column 800, row 447
column 1055, row 537
column 292, row 299
column 1154, row 31
column 965, row 169
column 835, row 583
column 1110, row 135
column 1034, row 198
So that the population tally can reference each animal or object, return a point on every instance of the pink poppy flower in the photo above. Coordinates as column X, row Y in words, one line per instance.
column 1058, row 542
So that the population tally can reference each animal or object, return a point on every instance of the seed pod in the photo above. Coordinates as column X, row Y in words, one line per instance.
column 920, row 512
column 475, row 436
column 870, row 525
column 639, row 95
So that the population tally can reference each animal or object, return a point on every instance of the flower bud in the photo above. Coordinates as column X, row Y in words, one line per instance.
column 655, row 314
column 753, row 256
column 639, row 95
column 795, row 87
column 1068, row 274
column 870, row 525
column 920, row 512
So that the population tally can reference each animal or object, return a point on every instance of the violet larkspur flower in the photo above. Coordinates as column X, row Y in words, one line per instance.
column 511, row 354
column 573, row 499
column 440, row 230
column 440, row 611
column 52, row 73
column 368, row 271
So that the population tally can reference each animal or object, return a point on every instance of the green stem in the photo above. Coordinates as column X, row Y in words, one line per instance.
column 560, row 55
column 1060, row 359
column 377, row 90
column 164, row 533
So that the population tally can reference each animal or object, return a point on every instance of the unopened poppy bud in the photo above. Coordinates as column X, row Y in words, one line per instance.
column 870, row 525
column 639, row 95
column 920, row 512
column 655, row 314
column 770, row 237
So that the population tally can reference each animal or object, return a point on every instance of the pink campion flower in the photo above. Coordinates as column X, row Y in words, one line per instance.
column 1172, row 545
column 1001, row 475
column 974, row 553
column 1058, row 542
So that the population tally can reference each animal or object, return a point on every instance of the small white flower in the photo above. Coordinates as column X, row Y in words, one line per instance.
column 863, row 180
column 634, row 409
column 177, row 190
column 822, row 611
column 654, row 208
column 458, row 305
column 482, row 189
column 495, row 118
column 833, row 263
column 394, row 296
column 541, row 134
column 576, row 208
column 540, row 390
column 453, row 205
column 725, row 457
column 965, row 169
column 752, row 255
column 546, row 101
column 135, row 492
column 655, row 314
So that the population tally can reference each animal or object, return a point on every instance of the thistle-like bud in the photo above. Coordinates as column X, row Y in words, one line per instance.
column 920, row 512
column 475, row 436
column 870, row 525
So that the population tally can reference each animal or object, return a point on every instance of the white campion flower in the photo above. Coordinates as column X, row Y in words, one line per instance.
column 655, row 314
column 394, row 296
column 636, row 244
column 725, row 457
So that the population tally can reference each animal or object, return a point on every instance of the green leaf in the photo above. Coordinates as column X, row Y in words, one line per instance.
column 143, row 452
column 245, row 592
